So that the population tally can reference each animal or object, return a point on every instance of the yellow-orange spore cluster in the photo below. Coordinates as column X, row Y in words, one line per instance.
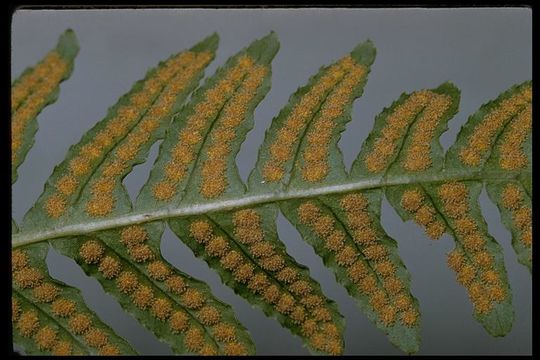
column 214, row 168
column 46, row 292
column 377, row 277
column 474, row 265
column 485, row 132
column 415, row 202
column 27, row 323
column 418, row 151
column 190, row 138
column 15, row 309
column 315, row 167
column 92, row 252
column 292, row 296
column 286, row 141
column 102, row 200
column 41, row 72
column 385, row 147
column 513, row 200
column 31, row 93
column 512, row 156
column 157, row 94
column 25, row 276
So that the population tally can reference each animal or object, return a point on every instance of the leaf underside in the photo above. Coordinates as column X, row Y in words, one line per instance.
column 195, row 189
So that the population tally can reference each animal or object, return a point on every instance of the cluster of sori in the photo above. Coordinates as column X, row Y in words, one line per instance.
column 271, row 276
column 515, row 201
column 512, row 156
column 102, row 202
column 315, row 153
column 387, row 144
column 131, row 125
column 418, row 149
column 416, row 203
column 31, row 93
column 484, row 134
column 29, row 322
column 343, row 77
column 192, row 314
column 234, row 91
column 364, row 256
column 471, row 259
column 214, row 168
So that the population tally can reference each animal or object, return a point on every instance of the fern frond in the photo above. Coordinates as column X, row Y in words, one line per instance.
column 194, row 187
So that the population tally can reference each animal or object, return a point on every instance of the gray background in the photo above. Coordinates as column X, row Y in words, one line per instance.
column 483, row 51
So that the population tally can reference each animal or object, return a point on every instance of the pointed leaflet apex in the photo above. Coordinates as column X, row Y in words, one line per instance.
column 364, row 53
column 68, row 46
column 209, row 43
column 264, row 49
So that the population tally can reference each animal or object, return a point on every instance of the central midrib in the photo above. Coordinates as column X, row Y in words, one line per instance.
column 28, row 237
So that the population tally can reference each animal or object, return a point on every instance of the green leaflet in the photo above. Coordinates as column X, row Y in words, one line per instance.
column 33, row 90
column 477, row 137
column 65, row 324
column 164, row 300
column 88, row 183
column 345, row 231
column 476, row 254
column 385, row 150
column 243, row 247
column 515, row 205
column 316, row 108
column 508, row 132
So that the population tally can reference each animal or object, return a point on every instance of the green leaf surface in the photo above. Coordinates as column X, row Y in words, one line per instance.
column 27, row 343
column 393, row 165
column 522, row 98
